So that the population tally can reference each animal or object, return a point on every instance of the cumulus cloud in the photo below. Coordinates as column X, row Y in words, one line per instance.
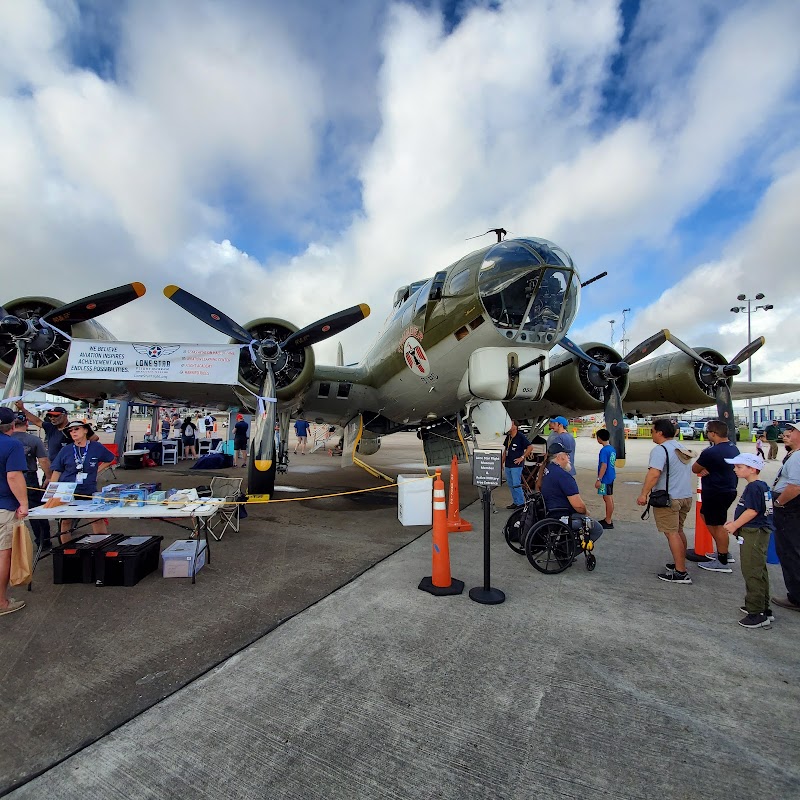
column 381, row 137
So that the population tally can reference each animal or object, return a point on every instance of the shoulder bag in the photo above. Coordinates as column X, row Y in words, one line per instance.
column 659, row 498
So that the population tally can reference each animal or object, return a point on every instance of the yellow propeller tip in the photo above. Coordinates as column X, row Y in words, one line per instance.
column 170, row 290
column 262, row 466
column 139, row 288
column 365, row 309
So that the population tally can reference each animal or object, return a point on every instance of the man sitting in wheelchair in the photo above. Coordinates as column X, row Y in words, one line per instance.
column 561, row 495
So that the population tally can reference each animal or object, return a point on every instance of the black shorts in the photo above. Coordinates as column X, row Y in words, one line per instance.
column 240, row 444
column 715, row 507
column 610, row 489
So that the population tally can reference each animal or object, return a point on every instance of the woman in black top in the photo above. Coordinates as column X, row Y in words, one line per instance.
column 189, row 438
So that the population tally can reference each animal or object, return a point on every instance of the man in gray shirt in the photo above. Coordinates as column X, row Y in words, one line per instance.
column 560, row 434
column 670, row 520
column 786, row 515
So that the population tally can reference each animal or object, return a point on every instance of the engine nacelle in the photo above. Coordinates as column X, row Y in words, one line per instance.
column 573, row 386
column 670, row 383
column 47, row 353
column 293, row 370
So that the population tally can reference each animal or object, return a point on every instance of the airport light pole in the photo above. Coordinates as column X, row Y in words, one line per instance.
column 750, row 310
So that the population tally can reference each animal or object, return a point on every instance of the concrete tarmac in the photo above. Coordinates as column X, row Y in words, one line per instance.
column 584, row 684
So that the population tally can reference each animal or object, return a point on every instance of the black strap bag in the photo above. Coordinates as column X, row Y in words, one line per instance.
column 659, row 498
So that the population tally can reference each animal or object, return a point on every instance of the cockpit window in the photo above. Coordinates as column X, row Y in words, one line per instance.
column 529, row 289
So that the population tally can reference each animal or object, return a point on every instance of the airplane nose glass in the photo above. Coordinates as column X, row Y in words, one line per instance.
column 530, row 290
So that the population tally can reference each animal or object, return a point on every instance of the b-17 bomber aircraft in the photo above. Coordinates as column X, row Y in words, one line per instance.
column 474, row 342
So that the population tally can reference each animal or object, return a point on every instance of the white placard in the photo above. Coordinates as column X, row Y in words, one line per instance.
column 153, row 361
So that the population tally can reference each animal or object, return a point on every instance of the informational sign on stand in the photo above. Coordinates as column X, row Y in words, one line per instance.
column 487, row 468
column 153, row 361
column 487, row 472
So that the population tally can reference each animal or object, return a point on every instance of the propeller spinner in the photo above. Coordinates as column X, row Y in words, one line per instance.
column 266, row 353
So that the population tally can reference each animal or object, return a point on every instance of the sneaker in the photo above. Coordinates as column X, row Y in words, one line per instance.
column 13, row 605
column 714, row 566
column 607, row 526
column 755, row 621
column 768, row 613
column 673, row 576
column 513, row 507
column 712, row 556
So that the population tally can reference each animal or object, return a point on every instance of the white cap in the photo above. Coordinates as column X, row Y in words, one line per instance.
column 795, row 425
column 748, row 459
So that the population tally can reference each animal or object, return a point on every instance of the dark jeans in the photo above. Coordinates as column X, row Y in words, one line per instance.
column 787, row 546
column 40, row 527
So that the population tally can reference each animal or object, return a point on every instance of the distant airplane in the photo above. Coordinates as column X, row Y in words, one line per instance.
column 472, row 343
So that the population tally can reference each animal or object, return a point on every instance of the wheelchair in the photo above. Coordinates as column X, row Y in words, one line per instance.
column 550, row 545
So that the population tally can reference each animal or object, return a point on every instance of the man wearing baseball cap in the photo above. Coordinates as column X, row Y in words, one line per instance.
column 560, row 491
column 35, row 457
column 13, row 503
column 54, row 426
column 752, row 524
column 559, row 433
column 786, row 507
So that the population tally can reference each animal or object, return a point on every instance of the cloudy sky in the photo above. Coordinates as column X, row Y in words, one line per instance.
column 292, row 159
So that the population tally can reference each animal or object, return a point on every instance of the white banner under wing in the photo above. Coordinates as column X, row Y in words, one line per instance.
column 153, row 361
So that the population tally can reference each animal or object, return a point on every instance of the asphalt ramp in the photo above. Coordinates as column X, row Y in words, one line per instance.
column 603, row 684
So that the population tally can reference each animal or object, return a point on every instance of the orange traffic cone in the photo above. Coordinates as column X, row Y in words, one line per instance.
column 440, row 583
column 703, row 541
column 454, row 521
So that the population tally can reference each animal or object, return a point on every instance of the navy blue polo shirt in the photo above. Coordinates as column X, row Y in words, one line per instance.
column 721, row 477
column 557, row 486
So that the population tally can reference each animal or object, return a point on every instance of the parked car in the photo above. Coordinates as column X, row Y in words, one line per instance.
column 685, row 429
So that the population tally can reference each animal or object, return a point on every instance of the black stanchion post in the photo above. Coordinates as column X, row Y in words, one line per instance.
column 486, row 473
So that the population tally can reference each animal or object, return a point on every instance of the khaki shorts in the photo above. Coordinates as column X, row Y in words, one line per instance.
column 670, row 520
column 7, row 520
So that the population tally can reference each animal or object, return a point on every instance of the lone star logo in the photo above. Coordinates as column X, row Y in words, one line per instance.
column 155, row 350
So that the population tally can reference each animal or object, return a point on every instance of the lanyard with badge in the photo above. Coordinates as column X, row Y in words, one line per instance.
column 79, row 459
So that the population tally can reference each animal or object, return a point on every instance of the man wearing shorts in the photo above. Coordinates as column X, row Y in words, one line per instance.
column 718, row 487
column 301, row 430
column 13, row 502
column 670, row 520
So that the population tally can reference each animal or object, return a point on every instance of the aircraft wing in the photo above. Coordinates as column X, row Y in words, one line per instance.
column 742, row 390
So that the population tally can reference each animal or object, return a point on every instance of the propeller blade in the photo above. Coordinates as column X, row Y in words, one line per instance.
column 15, row 381
column 612, row 409
column 205, row 312
column 646, row 347
column 578, row 352
column 262, row 451
column 725, row 408
column 324, row 328
column 748, row 351
column 672, row 339
column 94, row 305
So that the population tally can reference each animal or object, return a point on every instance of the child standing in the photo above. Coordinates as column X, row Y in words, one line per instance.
column 752, row 522
column 606, row 474
column 760, row 446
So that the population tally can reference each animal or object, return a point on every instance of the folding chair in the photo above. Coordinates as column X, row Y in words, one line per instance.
column 169, row 453
column 115, row 450
column 203, row 447
column 227, row 515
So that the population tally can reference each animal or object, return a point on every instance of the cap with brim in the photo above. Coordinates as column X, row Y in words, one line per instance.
column 6, row 415
column 556, row 448
column 76, row 423
column 560, row 421
column 57, row 410
column 794, row 425
column 748, row 459
column 20, row 417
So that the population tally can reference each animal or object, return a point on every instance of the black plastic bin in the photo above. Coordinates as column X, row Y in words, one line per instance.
column 74, row 562
column 126, row 562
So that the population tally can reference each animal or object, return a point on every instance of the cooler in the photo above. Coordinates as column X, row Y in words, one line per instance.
column 415, row 499
column 179, row 559
column 126, row 562
column 73, row 562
